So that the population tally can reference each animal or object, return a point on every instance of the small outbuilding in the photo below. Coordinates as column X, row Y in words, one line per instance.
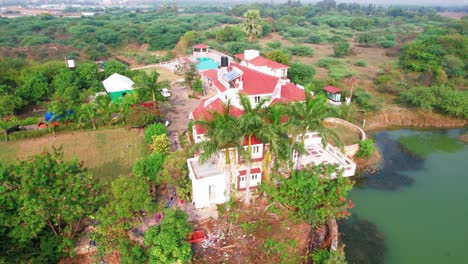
column 118, row 86
column 200, row 48
column 333, row 95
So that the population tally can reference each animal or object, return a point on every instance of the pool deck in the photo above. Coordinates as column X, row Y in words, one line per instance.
column 212, row 54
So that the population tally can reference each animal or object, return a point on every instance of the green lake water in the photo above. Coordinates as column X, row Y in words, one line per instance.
column 415, row 209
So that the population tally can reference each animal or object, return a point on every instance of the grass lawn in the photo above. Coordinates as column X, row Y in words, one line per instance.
column 107, row 153
column 347, row 136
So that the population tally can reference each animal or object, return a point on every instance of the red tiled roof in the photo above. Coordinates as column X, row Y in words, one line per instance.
column 255, row 82
column 254, row 170
column 292, row 93
column 204, row 112
column 255, row 141
column 200, row 46
column 332, row 89
column 262, row 61
column 213, row 76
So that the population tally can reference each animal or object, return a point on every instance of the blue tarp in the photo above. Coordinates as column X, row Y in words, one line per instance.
column 51, row 116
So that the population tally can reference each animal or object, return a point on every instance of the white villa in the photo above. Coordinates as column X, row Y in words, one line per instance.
column 258, row 78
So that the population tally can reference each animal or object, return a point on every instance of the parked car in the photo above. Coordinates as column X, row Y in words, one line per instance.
column 165, row 92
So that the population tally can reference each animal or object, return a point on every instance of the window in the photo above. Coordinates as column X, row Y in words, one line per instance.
column 242, row 178
column 255, row 149
column 295, row 155
column 254, row 176
column 283, row 72
column 257, row 99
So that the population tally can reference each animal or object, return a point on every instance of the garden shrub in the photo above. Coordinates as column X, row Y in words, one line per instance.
column 275, row 44
column 161, row 144
column 366, row 148
column 155, row 129
column 299, row 50
column 341, row 49
column 361, row 63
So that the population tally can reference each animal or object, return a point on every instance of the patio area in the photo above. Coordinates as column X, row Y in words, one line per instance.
column 317, row 154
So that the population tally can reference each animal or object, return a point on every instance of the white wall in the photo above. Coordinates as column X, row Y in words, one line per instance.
column 201, row 188
column 255, row 180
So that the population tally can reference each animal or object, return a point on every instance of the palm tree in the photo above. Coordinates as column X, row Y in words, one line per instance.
column 89, row 112
column 251, row 25
column 309, row 116
column 252, row 124
column 223, row 134
column 279, row 146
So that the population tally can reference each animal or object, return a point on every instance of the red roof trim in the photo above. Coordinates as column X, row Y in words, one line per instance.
column 332, row 89
column 254, row 141
column 252, row 171
column 200, row 46
column 262, row 61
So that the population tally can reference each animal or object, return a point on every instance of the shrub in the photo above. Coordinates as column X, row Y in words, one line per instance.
column 341, row 49
column 386, row 43
column 364, row 100
column 161, row 144
column 314, row 39
column 366, row 148
column 279, row 55
column 338, row 72
column 298, row 50
column 275, row 44
column 327, row 62
column 301, row 72
column 361, row 63
column 155, row 129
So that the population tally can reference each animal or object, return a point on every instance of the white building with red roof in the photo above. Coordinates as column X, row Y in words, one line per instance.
column 258, row 78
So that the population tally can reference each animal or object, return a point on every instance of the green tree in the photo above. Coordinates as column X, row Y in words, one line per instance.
column 251, row 25
column 149, row 168
column 89, row 76
column 366, row 148
column 188, row 71
column 114, row 66
column 223, row 135
column 312, row 195
column 278, row 56
column 89, row 112
column 8, row 104
column 167, row 242
column 129, row 200
column 52, row 197
column 341, row 49
column 33, row 86
column 301, row 73
column 308, row 116
column 252, row 125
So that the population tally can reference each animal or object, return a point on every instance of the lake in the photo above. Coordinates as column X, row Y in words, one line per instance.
column 415, row 209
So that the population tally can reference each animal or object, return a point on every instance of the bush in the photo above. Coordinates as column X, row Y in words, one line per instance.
column 366, row 148
column 364, row 100
column 341, row 49
column 338, row 72
column 314, row 39
column 386, row 43
column 361, row 63
column 161, row 144
column 275, row 44
column 301, row 50
column 301, row 73
column 327, row 62
column 155, row 129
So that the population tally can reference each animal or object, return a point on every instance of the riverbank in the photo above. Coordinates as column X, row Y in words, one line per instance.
column 395, row 116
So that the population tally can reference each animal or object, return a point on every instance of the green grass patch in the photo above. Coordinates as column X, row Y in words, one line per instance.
column 346, row 135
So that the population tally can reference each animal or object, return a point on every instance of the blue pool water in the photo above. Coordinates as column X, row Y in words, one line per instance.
column 206, row 64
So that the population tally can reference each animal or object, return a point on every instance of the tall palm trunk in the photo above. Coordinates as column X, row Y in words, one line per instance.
column 301, row 152
column 93, row 120
column 227, row 172
column 249, row 168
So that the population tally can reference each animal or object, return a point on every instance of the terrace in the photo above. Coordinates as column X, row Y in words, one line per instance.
column 317, row 154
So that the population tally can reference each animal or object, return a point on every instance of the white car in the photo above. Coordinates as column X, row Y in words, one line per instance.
column 165, row 92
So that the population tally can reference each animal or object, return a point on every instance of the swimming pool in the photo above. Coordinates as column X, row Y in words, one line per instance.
column 206, row 64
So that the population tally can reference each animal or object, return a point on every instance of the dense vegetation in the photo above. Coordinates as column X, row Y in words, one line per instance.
column 428, row 71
